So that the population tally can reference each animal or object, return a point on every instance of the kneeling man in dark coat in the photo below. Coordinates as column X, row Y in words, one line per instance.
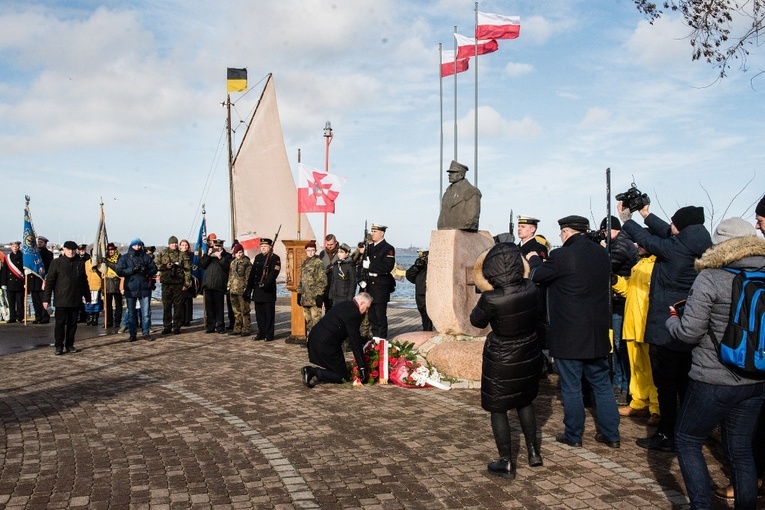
column 325, row 342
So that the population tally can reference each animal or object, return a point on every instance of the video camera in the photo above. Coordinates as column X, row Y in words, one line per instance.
column 597, row 236
column 633, row 199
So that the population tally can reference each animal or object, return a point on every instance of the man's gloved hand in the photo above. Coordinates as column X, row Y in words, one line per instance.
column 138, row 269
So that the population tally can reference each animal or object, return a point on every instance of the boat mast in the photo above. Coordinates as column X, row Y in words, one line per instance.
column 230, row 167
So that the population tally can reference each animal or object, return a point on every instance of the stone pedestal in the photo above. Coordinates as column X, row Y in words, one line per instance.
column 451, row 293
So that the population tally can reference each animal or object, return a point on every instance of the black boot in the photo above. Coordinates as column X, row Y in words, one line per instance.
column 535, row 458
column 503, row 467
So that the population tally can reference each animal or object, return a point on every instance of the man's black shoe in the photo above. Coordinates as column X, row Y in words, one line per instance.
column 563, row 438
column 222, row 332
column 44, row 321
column 148, row 337
column 307, row 373
column 269, row 339
column 166, row 331
column 71, row 348
column 258, row 337
column 658, row 441
column 208, row 331
column 59, row 351
column 177, row 331
column 132, row 338
column 11, row 321
column 600, row 438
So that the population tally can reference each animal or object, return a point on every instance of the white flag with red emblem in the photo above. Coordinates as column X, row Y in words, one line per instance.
column 317, row 189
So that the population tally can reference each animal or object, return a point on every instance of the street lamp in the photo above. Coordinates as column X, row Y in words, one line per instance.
column 327, row 141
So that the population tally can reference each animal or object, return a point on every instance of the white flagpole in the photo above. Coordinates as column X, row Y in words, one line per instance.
column 475, row 140
column 455, row 94
column 441, row 125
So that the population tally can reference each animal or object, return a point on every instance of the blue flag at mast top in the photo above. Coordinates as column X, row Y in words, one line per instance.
column 32, row 260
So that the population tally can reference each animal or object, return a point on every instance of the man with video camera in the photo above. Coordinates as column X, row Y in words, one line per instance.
column 677, row 246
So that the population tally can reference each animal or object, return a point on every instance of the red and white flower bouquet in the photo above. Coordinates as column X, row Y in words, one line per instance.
column 403, row 367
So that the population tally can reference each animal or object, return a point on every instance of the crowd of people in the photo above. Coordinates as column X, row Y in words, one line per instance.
column 632, row 329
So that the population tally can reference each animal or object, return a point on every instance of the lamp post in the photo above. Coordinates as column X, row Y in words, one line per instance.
column 327, row 140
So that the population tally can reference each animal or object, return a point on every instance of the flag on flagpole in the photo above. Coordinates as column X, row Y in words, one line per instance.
column 317, row 190
column 197, row 273
column 32, row 260
column 236, row 80
column 496, row 26
column 448, row 63
column 98, row 258
column 466, row 46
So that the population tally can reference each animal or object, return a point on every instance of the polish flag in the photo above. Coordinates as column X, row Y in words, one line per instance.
column 496, row 26
column 317, row 190
column 447, row 63
column 249, row 241
column 466, row 46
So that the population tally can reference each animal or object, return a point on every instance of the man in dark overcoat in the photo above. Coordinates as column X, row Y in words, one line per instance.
column 325, row 343
column 12, row 281
column 378, row 262
column 261, row 288
column 578, row 279
column 66, row 280
column 676, row 246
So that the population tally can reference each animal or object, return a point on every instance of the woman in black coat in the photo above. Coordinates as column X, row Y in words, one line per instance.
column 511, row 355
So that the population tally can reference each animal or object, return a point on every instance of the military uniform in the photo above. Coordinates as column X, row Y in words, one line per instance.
column 239, row 274
column 531, row 244
column 12, row 281
column 378, row 262
column 173, row 280
column 261, row 286
column 310, row 288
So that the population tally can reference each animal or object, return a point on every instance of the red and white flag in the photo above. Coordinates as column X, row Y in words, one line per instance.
column 317, row 190
column 466, row 46
column 448, row 64
column 496, row 26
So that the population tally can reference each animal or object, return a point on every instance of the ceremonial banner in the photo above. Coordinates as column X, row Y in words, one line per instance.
column 200, row 249
column 317, row 190
column 236, row 80
column 496, row 26
column 33, row 263
column 98, row 258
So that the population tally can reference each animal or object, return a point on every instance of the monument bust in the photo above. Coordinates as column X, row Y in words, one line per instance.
column 461, row 203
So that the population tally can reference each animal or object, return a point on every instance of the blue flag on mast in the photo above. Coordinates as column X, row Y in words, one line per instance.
column 32, row 260
column 198, row 273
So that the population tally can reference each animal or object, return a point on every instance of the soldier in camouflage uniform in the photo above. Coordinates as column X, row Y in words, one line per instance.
column 311, row 285
column 238, row 275
column 175, row 277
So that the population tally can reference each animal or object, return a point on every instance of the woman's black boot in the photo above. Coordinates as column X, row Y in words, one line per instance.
column 535, row 457
column 503, row 467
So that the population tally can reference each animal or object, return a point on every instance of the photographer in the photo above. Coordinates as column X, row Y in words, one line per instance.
column 175, row 277
column 676, row 246
column 138, row 269
column 216, row 263
column 418, row 275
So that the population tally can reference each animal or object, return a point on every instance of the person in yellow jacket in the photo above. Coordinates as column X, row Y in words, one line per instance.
column 635, row 289
column 95, row 286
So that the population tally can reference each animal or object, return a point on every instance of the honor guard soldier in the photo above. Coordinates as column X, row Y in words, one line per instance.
column 261, row 288
column 310, row 287
column 527, row 229
column 377, row 264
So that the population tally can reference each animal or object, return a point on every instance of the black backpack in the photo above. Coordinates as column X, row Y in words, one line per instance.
column 743, row 345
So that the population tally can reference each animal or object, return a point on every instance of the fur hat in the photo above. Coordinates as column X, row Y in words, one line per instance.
column 687, row 216
column 732, row 228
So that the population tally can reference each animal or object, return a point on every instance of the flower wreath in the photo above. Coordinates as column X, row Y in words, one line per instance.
column 404, row 368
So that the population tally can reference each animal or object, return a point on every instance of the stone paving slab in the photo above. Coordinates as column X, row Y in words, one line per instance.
column 210, row 421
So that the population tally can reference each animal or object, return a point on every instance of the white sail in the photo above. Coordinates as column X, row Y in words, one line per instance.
column 265, row 194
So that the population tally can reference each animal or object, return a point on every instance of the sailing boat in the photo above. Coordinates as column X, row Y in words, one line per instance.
column 264, row 194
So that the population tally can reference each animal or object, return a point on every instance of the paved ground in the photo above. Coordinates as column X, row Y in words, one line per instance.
column 211, row 421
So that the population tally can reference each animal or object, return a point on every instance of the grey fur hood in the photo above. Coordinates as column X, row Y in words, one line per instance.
column 730, row 251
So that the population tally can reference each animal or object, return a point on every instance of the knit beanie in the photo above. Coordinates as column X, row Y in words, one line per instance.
column 731, row 228
column 687, row 216
column 136, row 241
column 760, row 210
column 615, row 223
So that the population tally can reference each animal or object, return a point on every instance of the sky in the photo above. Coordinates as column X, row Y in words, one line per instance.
column 120, row 101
